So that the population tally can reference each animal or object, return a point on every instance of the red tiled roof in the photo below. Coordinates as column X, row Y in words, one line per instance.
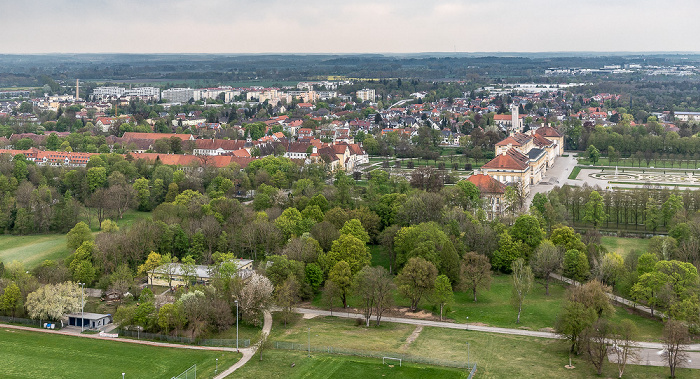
column 512, row 160
column 487, row 184
column 548, row 131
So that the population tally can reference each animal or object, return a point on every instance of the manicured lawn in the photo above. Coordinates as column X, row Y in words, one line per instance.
column 278, row 364
column 624, row 246
column 34, row 249
column 38, row 355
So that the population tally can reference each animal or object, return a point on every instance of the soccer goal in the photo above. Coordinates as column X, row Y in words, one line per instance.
column 190, row 373
column 384, row 359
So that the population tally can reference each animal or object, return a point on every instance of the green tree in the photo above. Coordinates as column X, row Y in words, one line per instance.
column 79, row 234
column 593, row 154
column 651, row 215
column 341, row 276
column 475, row 272
column 442, row 293
column 576, row 265
column 670, row 207
column 573, row 319
column 595, row 212
column 96, row 178
column 416, row 279
column 354, row 228
column 428, row 241
column 527, row 229
column 507, row 252
column 522, row 284
column 546, row 260
column 289, row 222
column 143, row 194
column 10, row 299
column 349, row 249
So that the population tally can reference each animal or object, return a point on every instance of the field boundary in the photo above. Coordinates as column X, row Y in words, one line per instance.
column 185, row 340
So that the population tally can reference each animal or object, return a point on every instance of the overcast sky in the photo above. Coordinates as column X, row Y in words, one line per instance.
column 349, row 26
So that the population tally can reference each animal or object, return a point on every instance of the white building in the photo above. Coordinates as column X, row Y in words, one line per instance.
column 101, row 93
column 150, row 93
column 366, row 95
column 178, row 95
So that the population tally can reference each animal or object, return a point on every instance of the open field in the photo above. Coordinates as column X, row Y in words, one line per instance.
column 496, row 355
column 34, row 249
column 493, row 308
column 277, row 364
column 38, row 355
column 624, row 246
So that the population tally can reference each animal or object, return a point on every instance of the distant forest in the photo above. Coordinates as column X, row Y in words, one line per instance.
column 31, row 70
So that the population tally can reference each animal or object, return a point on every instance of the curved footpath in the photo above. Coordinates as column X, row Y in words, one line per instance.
column 247, row 352
column 479, row 328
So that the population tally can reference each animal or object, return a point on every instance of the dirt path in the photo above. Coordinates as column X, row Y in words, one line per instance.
column 412, row 337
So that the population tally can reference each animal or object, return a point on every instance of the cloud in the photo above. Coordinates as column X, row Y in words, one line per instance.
column 315, row 26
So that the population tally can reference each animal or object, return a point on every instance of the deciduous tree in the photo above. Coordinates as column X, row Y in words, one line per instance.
column 546, row 260
column 416, row 279
column 475, row 272
column 442, row 293
column 522, row 284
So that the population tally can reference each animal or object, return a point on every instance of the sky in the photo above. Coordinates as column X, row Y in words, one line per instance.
column 354, row 26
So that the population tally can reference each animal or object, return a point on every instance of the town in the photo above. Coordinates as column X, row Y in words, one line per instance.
column 321, row 190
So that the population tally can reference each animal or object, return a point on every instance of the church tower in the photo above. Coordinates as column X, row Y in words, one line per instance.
column 515, row 118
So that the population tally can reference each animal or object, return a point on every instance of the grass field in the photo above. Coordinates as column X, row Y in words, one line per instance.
column 496, row 355
column 540, row 311
column 34, row 249
column 624, row 246
column 39, row 355
column 278, row 364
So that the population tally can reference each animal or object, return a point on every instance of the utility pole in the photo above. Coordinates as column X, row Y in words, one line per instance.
column 309, row 329
column 82, row 306
column 236, row 325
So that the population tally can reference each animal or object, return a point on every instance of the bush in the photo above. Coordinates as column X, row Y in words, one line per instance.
column 410, row 164
column 468, row 167
column 359, row 321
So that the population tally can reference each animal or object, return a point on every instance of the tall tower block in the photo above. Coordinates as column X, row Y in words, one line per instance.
column 515, row 118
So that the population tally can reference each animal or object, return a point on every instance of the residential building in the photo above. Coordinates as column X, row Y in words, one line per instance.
column 366, row 95
column 178, row 95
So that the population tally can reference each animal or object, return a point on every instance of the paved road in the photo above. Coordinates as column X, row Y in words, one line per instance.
column 247, row 352
column 479, row 328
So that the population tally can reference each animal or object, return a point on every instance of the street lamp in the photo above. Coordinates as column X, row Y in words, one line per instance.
column 123, row 375
column 217, row 366
column 309, row 329
column 236, row 325
column 467, row 322
column 82, row 306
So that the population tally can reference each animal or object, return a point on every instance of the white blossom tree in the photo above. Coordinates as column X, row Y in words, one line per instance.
column 53, row 301
column 255, row 298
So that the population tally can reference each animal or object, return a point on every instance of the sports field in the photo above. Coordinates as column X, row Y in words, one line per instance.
column 34, row 249
column 27, row 354
column 278, row 364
